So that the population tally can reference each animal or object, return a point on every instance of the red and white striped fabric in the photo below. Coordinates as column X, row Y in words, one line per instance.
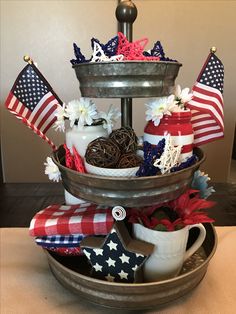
column 33, row 100
column 207, row 102
column 86, row 219
column 179, row 127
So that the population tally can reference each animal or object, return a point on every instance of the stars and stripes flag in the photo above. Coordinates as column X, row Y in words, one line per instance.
column 207, row 102
column 33, row 100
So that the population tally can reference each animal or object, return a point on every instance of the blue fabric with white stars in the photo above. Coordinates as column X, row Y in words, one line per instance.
column 112, row 262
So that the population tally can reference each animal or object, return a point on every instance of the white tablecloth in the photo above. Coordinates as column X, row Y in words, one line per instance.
column 28, row 287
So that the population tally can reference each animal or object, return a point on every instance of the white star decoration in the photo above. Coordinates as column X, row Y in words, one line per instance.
column 124, row 258
column 111, row 262
column 97, row 267
column 123, row 275
column 112, row 245
column 170, row 156
column 98, row 251
column 99, row 55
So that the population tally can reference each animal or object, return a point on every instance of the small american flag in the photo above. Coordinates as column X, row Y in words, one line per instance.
column 33, row 100
column 207, row 102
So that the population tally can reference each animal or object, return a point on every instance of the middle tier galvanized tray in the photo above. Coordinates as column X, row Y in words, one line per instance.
column 126, row 191
column 127, row 79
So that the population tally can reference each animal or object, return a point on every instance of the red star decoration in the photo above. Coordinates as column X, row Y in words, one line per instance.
column 133, row 50
column 75, row 161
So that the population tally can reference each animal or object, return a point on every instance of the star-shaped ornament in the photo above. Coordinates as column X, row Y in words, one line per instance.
column 109, row 48
column 170, row 156
column 122, row 256
column 99, row 55
column 80, row 58
column 133, row 50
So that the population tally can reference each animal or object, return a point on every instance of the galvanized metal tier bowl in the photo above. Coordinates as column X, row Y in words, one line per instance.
column 127, row 79
column 73, row 273
column 126, row 191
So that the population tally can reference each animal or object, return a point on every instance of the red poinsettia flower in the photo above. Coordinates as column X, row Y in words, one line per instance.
column 186, row 210
column 188, row 206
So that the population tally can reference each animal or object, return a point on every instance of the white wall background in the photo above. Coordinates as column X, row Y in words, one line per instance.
column 46, row 31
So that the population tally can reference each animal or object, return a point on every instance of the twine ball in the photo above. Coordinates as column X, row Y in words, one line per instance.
column 103, row 152
column 129, row 160
column 126, row 138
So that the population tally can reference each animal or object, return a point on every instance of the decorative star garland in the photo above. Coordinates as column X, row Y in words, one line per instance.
column 119, row 45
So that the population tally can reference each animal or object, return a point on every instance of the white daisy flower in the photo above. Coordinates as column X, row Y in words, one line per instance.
column 60, row 115
column 110, row 118
column 157, row 108
column 52, row 170
column 182, row 96
column 83, row 111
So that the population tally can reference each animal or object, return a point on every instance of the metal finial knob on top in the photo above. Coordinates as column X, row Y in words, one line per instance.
column 126, row 12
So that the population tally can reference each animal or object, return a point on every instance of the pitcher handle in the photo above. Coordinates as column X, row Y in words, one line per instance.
column 196, row 245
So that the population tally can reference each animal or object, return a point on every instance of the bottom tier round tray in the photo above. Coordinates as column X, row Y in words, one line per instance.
column 73, row 273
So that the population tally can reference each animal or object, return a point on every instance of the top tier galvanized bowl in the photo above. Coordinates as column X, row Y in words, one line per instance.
column 126, row 191
column 127, row 79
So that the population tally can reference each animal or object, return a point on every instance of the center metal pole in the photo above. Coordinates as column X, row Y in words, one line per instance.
column 126, row 13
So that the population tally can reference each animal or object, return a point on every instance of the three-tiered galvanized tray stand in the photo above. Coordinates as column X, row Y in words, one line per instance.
column 127, row 80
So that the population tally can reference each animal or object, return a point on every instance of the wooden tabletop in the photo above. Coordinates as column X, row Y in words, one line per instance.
column 20, row 201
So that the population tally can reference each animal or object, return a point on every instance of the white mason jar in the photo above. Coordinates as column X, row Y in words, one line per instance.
column 80, row 138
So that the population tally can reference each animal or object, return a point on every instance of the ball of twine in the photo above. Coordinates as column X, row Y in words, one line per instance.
column 126, row 138
column 129, row 160
column 103, row 152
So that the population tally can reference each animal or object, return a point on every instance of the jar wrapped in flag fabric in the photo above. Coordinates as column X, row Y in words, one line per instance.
column 179, row 126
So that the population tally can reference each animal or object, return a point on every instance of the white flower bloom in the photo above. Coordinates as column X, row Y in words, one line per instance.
column 52, row 170
column 158, row 108
column 110, row 118
column 182, row 96
column 60, row 115
column 83, row 111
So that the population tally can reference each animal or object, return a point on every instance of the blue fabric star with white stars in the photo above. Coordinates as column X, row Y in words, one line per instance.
column 118, row 257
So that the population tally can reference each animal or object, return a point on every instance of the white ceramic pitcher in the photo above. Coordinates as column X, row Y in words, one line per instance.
column 170, row 251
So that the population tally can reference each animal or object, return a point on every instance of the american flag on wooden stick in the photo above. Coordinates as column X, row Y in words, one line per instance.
column 33, row 100
column 207, row 102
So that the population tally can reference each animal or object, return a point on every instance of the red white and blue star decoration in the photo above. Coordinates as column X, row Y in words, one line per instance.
column 118, row 257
